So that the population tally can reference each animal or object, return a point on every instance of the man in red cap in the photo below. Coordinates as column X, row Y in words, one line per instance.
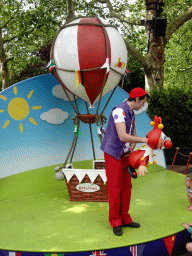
column 120, row 138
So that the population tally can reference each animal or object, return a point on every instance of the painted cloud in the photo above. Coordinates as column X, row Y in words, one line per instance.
column 59, row 93
column 55, row 116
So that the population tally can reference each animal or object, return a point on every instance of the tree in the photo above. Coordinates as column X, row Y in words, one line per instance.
column 153, row 60
column 25, row 26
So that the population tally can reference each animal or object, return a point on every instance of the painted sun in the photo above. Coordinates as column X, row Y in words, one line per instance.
column 18, row 109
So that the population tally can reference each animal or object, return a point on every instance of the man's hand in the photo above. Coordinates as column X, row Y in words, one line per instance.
column 141, row 170
column 185, row 225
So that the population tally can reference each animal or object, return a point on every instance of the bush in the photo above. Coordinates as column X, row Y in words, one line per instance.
column 174, row 106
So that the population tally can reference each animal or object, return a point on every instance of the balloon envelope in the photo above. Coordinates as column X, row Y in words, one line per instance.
column 80, row 47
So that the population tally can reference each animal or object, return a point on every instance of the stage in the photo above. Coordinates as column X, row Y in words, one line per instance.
column 37, row 216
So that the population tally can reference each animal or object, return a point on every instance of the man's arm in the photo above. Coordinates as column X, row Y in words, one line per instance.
column 132, row 145
column 125, row 137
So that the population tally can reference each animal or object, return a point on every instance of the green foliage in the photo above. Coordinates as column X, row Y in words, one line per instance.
column 30, row 25
column 45, row 17
column 178, row 57
column 174, row 105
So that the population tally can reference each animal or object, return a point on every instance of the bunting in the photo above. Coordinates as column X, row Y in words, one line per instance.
column 137, row 250
column 98, row 253
column 169, row 242
column 125, row 74
column 79, row 77
column 77, row 131
column 51, row 65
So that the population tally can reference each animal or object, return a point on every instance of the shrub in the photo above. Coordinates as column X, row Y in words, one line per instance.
column 174, row 105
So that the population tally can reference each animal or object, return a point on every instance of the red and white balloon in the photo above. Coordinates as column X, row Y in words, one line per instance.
column 80, row 47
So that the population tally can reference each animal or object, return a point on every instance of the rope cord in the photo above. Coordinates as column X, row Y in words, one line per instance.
column 90, row 128
column 183, row 155
column 90, row 69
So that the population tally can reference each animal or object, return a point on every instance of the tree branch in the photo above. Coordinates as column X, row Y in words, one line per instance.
column 6, row 23
column 175, row 24
column 21, row 34
column 131, row 49
column 121, row 17
column 70, row 10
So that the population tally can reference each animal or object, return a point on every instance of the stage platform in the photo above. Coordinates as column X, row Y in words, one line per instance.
column 37, row 216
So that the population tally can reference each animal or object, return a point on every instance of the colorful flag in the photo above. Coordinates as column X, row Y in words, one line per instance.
column 137, row 250
column 133, row 250
column 51, row 64
column 14, row 253
column 169, row 242
column 98, row 253
column 82, row 77
column 127, row 71
column 77, row 131
column 77, row 78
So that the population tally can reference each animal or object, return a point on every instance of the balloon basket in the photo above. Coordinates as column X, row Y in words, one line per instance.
column 87, row 184
column 88, row 118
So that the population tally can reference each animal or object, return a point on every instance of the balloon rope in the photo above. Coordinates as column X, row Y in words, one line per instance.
column 90, row 69
column 91, row 134
column 76, row 103
column 72, row 147
column 108, row 100
column 88, row 23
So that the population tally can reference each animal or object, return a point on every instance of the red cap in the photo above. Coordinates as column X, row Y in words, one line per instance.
column 137, row 92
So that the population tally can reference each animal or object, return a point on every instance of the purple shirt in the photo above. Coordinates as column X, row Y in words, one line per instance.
column 111, row 143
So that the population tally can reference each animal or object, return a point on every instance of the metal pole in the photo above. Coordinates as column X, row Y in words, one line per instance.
column 190, row 155
column 177, row 150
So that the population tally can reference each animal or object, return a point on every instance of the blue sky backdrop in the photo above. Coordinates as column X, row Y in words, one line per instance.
column 47, row 139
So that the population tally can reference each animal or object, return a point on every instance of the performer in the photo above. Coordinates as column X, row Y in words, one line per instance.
column 120, row 136
column 141, row 157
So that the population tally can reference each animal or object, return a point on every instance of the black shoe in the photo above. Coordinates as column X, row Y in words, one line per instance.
column 132, row 172
column 117, row 231
column 131, row 225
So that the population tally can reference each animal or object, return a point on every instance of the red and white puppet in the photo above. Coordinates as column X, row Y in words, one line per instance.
column 140, row 158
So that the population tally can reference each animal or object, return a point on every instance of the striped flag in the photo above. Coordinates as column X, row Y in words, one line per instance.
column 51, row 64
column 133, row 250
column 82, row 77
column 7, row 253
column 77, row 131
column 137, row 250
column 98, row 253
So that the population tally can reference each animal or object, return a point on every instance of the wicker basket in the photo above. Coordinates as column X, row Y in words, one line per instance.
column 79, row 195
column 88, row 118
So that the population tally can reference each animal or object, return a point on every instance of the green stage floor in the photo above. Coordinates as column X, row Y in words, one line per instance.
column 36, row 214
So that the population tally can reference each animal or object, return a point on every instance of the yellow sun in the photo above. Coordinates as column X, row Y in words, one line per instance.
column 18, row 109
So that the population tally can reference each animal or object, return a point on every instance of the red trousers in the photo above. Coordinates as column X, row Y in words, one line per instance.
column 119, row 190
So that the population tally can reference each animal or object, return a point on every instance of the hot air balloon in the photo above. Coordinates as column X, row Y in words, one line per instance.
column 89, row 59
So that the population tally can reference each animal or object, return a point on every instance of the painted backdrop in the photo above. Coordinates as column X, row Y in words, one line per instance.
column 36, row 129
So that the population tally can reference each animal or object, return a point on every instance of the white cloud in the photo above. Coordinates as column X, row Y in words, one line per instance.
column 54, row 116
column 59, row 93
